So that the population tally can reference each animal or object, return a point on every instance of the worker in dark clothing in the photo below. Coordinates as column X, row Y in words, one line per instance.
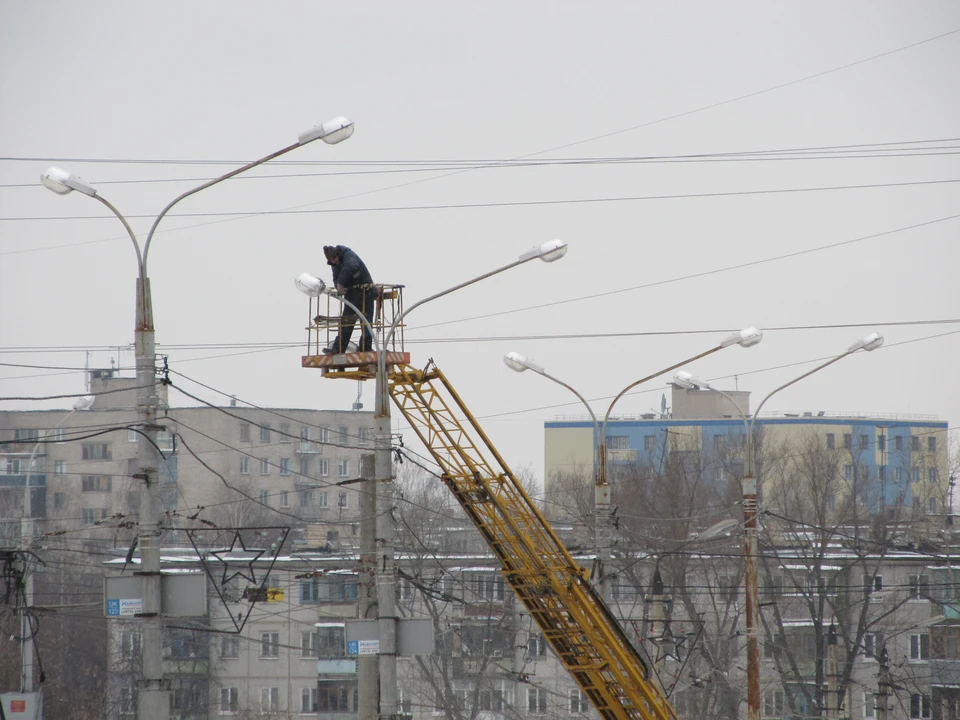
column 353, row 281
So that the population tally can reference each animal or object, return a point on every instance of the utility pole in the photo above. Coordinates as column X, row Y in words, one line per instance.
column 152, row 695
column 883, row 686
column 658, row 625
column 385, row 561
column 368, row 671
column 833, row 684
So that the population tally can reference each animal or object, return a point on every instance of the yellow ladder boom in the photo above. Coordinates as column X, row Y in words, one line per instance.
column 573, row 617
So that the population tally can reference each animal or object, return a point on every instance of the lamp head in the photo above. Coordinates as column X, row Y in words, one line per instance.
column 518, row 363
column 310, row 285
column 548, row 251
column 867, row 342
column 331, row 132
column 84, row 403
column 689, row 382
column 61, row 182
column 748, row 337
column 719, row 529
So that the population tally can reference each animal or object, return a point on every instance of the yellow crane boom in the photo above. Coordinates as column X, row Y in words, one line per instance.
column 571, row 614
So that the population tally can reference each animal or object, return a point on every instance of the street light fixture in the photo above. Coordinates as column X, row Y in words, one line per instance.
column 308, row 284
column 152, row 699
column 867, row 343
column 747, row 337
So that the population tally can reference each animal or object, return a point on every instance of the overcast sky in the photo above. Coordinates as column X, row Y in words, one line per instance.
column 666, row 256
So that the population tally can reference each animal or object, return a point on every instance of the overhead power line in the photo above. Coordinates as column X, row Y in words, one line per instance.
column 515, row 203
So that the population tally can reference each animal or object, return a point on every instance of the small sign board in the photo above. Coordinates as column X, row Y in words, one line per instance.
column 124, row 607
column 275, row 594
column 21, row 705
column 414, row 637
column 363, row 647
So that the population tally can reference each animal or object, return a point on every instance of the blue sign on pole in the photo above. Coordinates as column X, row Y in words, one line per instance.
column 353, row 647
column 113, row 608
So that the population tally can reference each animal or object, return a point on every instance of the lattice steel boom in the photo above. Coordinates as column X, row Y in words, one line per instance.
column 574, row 619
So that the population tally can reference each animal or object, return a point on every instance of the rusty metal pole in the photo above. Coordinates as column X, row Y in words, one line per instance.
column 751, row 588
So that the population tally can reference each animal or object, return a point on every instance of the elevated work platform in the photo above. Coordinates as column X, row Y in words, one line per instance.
column 326, row 323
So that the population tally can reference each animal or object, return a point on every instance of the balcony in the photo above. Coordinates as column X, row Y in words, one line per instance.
column 945, row 672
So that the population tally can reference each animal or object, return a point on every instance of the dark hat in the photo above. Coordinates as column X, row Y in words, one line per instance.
column 331, row 251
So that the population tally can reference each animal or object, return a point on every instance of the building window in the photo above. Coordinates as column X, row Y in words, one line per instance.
column 578, row 702
column 269, row 644
column 919, row 706
column 284, row 466
column 269, row 699
column 343, row 468
column 915, row 443
column 872, row 642
column 931, row 443
column 130, row 645
column 848, row 472
column 91, row 516
column 324, row 435
column 265, row 433
column 920, row 646
column 831, row 441
column 320, row 499
column 918, row 587
column 264, row 466
column 649, row 443
column 26, row 435
column 96, row 451
column 304, row 467
column 720, row 443
column 229, row 697
column 324, row 467
column 489, row 587
column 365, row 434
column 831, row 503
column 284, row 432
column 284, row 498
column 333, row 697
column 309, row 647
column 264, row 497
column 932, row 474
column 898, row 443
column 932, row 506
column 869, row 705
column 96, row 483
column 848, row 441
column 229, row 648
column 59, row 500
column 536, row 700
column 342, row 500
column 344, row 435
column 132, row 435
column 308, row 592
column 915, row 474
column 244, row 465
column 618, row 442
column 308, row 701
column 864, row 442
column 244, row 432
column 773, row 704
column 882, row 472
column 60, row 467
column 330, row 641
column 128, row 702
column 536, row 645
column 882, row 443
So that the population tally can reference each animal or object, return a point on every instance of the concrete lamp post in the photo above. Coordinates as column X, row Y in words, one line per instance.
column 602, row 500
column 152, row 697
column 750, row 550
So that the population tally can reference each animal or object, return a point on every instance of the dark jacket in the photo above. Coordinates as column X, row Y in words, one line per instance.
column 350, row 271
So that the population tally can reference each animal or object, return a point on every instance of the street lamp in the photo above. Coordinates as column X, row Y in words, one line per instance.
column 152, row 699
column 750, row 552
column 602, row 532
column 548, row 251
column 26, row 542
